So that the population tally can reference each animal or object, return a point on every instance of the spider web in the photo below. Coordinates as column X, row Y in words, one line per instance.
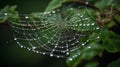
column 55, row 33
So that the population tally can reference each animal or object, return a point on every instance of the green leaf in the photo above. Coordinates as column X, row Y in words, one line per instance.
column 117, row 4
column 117, row 17
column 115, row 63
column 7, row 13
column 54, row 4
column 12, row 8
column 111, row 41
column 3, row 16
column 101, row 4
column 84, row 53
column 92, row 64
column 92, row 1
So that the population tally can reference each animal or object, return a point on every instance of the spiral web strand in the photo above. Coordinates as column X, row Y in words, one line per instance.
column 53, row 34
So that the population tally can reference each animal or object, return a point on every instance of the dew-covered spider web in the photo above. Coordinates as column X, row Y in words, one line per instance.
column 55, row 33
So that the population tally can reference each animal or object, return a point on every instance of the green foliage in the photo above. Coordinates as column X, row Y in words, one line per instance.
column 85, row 53
column 115, row 63
column 116, row 4
column 92, row 64
column 102, row 4
column 54, row 4
column 7, row 13
column 109, row 41
column 2, row 17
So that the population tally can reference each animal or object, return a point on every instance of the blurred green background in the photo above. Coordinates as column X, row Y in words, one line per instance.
column 11, row 55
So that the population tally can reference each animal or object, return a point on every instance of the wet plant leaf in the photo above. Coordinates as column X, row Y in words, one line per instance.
column 7, row 13
column 102, row 4
column 85, row 53
column 54, row 4
column 111, row 41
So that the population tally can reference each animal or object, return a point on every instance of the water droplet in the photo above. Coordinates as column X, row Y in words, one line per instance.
column 70, row 59
column 45, row 13
column 97, row 28
column 5, row 14
column 71, row 8
column 53, row 11
column 37, row 51
column 62, row 47
column 48, row 12
column 88, row 24
column 78, row 14
column 83, row 44
column 83, row 24
column 67, row 53
column 43, row 53
column 98, row 37
column 15, row 38
column 81, row 16
column 58, row 56
column 93, row 24
column 18, row 43
column 33, row 47
column 53, row 50
column 51, row 55
column 89, row 47
column 21, row 46
column 86, row 18
column 86, row 2
column 80, row 24
column 26, row 17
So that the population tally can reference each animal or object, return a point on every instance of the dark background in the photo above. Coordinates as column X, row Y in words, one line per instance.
column 11, row 55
